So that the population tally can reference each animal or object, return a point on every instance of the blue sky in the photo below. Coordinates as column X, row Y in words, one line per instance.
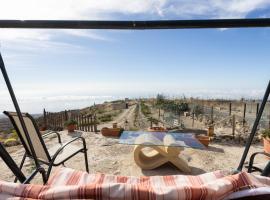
column 59, row 69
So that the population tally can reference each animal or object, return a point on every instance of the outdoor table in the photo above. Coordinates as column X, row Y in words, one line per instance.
column 164, row 147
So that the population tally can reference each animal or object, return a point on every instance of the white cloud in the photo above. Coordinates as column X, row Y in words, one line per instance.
column 105, row 9
column 111, row 10
column 214, row 8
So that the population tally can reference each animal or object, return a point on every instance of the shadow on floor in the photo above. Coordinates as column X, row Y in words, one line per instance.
column 169, row 169
column 75, row 134
column 214, row 149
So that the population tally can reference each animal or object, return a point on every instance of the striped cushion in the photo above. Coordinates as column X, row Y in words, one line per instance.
column 70, row 184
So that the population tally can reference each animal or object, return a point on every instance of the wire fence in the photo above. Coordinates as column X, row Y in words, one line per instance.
column 239, row 116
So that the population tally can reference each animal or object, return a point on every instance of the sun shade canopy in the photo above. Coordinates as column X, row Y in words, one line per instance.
column 157, row 24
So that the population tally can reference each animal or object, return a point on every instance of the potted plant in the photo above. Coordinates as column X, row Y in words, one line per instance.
column 71, row 125
column 266, row 140
column 204, row 139
column 112, row 132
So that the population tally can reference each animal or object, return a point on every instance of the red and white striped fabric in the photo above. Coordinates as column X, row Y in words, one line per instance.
column 70, row 184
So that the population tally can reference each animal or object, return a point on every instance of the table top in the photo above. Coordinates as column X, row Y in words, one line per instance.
column 160, row 139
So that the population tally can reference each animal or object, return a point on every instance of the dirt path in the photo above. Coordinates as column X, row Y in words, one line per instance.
column 142, row 121
column 121, row 119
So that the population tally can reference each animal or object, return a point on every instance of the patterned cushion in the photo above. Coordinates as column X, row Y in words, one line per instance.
column 70, row 184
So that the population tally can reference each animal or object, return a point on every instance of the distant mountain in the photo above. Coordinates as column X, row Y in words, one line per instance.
column 5, row 123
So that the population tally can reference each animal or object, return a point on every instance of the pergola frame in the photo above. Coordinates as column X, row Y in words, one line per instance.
column 132, row 25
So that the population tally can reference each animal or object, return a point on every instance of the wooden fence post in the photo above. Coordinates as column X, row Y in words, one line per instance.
column 80, row 121
column 244, row 114
column 212, row 115
column 193, row 119
column 91, row 122
column 230, row 108
column 95, row 124
column 45, row 118
column 233, row 125
column 85, row 123
column 257, row 108
column 66, row 115
column 88, row 123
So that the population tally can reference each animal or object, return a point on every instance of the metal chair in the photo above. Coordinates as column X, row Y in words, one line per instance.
column 264, row 168
column 11, row 164
column 54, row 156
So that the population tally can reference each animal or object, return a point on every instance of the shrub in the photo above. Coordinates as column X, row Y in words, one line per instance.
column 145, row 109
column 14, row 135
column 105, row 118
column 266, row 133
column 70, row 122
column 10, row 142
column 197, row 110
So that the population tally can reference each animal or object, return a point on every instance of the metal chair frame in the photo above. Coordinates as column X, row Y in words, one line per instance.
column 51, row 159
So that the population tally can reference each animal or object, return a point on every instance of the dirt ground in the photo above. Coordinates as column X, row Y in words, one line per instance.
column 106, row 155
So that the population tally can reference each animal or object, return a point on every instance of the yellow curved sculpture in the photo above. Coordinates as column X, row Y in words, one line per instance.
column 158, row 155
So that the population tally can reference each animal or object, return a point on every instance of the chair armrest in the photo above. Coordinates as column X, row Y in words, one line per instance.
column 66, row 144
column 53, row 132
column 251, row 160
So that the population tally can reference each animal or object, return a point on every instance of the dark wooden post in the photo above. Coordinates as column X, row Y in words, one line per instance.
column 212, row 115
column 95, row 124
column 48, row 119
column 88, row 123
column 66, row 115
column 62, row 119
column 85, row 123
column 233, row 125
column 45, row 118
column 80, row 122
column 57, row 119
column 230, row 108
column 193, row 119
column 257, row 108
column 244, row 114
column 91, row 123
column 54, row 121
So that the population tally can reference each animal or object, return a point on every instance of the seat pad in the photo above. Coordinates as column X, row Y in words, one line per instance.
column 68, row 151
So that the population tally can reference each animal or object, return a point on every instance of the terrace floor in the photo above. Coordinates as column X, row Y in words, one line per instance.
column 106, row 155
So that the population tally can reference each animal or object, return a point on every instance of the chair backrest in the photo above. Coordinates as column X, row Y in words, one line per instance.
column 34, row 134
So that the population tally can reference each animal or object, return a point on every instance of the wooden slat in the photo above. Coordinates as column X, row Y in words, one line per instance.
column 91, row 126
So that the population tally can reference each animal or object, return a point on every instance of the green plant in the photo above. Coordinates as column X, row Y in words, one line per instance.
column 153, row 120
column 106, row 118
column 266, row 133
column 136, row 114
column 14, row 135
column 145, row 109
column 10, row 142
column 197, row 110
column 70, row 122
column 160, row 99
